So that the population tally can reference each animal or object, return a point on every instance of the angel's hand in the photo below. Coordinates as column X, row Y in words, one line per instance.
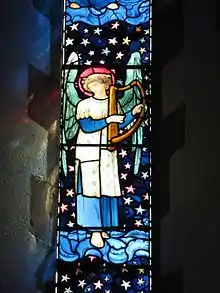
column 137, row 109
column 73, row 58
column 115, row 118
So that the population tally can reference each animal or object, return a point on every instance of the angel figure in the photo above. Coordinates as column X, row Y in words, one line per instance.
column 97, row 186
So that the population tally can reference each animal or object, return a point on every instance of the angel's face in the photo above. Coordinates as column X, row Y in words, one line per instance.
column 98, row 88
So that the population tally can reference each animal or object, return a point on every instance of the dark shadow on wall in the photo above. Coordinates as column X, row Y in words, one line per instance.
column 43, row 105
column 217, row 13
column 169, row 133
column 45, row 274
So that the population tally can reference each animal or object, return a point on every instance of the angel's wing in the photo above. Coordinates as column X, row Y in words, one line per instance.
column 69, row 125
column 130, row 99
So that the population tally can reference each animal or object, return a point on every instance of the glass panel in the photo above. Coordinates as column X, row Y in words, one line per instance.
column 94, row 276
column 103, row 36
column 104, row 224
column 134, row 202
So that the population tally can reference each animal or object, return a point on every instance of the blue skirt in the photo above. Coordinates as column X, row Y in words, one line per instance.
column 95, row 213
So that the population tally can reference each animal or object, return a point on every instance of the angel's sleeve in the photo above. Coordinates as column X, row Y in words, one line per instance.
column 87, row 124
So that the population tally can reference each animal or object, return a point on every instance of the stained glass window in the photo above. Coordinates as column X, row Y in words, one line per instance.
column 104, row 222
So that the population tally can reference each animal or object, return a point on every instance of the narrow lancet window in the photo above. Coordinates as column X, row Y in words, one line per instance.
column 104, row 222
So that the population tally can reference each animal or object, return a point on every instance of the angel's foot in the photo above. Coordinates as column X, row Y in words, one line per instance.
column 96, row 240
column 113, row 6
column 74, row 5
column 105, row 235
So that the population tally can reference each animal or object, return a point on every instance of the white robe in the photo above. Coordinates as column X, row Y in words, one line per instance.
column 99, row 167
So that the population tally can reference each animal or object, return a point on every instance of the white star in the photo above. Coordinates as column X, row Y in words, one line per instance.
column 115, row 25
column 142, row 40
column 126, row 285
column 146, row 32
column 119, row 55
column 107, row 291
column 124, row 270
column 120, row 81
column 138, row 223
column 97, row 31
column 144, row 175
column 145, row 196
column 69, row 41
column 74, row 27
column 140, row 210
column 146, row 77
column 68, row 290
column 141, row 271
column 127, row 200
column 123, row 153
column 85, row 42
column 86, row 31
column 130, row 189
column 65, row 278
column 127, row 166
column 102, row 62
column 70, row 224
column 142, row 50
column 98, row 285
column 71, row 168
column 70, row 192
column 91, row 53
column 106, row 51
column 78, row 271
column 140, row 282
column 106, row 279
column 88, row 62
column 64, row 207
column 144, row 149
column 81, row 283
column 113, row 41
column 146, row 58
column 124, row 176
column 126, row 41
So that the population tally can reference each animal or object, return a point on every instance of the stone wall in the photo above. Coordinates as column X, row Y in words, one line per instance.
column 29, row 113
